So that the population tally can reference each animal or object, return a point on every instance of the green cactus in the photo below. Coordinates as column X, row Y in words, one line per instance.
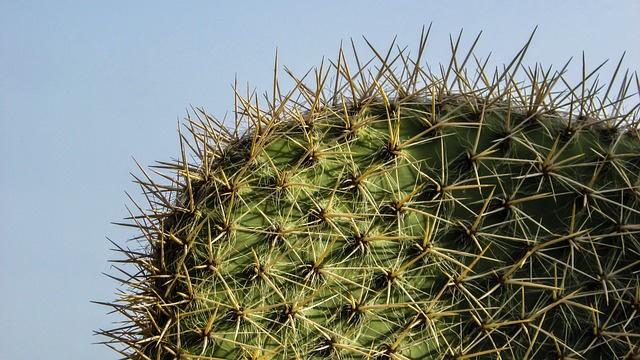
column 385, row 211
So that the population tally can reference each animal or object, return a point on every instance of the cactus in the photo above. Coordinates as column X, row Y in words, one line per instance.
column 385, row 211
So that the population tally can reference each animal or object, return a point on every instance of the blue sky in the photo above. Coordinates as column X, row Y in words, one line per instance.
column 87, row 85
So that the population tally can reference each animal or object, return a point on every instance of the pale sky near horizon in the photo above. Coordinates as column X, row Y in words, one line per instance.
column 87, row 85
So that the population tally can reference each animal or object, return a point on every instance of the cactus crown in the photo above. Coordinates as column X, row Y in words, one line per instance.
column 386, row 211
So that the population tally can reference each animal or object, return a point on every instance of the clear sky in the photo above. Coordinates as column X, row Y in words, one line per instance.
column 87, row 85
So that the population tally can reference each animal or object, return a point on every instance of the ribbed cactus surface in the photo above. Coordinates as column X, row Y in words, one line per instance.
column 384, row 211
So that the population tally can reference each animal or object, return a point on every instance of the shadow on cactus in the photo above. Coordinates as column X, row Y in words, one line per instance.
column 386, row 211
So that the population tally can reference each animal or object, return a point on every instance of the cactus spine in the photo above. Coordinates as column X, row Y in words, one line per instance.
column 385, row 211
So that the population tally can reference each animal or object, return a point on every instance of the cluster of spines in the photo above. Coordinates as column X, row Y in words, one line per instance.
column 390, row 214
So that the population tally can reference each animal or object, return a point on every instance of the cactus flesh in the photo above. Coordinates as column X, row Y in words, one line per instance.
column 385, row 211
